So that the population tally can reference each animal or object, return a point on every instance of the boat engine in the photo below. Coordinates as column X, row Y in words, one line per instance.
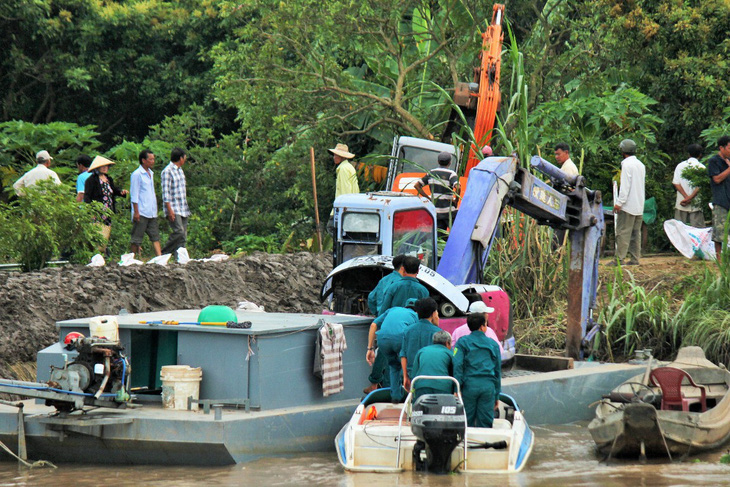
column 439, row 424
column 99, row 371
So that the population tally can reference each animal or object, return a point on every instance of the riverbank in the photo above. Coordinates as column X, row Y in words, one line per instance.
column 31, row 303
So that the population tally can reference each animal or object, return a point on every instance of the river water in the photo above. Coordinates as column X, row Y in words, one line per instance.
column 563, row 456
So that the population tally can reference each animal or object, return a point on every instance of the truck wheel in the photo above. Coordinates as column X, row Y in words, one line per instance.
column 447, row 310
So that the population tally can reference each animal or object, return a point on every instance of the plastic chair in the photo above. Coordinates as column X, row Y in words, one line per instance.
column 670, row 380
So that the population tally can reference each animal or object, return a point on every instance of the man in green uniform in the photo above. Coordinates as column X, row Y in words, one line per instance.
column 434, row 360
column 407, row 287
column 391, row 326
column 478, row 368
column 379, row 371
column 375, row 298
column 418, row 335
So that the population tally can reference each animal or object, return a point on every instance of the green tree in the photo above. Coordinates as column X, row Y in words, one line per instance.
column 45, row 222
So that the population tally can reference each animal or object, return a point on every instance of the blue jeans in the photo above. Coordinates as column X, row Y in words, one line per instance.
column 389, row 347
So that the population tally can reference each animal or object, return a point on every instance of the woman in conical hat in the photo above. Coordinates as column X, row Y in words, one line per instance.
column 100, row 187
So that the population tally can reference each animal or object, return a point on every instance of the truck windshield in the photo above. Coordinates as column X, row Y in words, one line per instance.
column 413, row 235
column 418, row 159
column 360, row 235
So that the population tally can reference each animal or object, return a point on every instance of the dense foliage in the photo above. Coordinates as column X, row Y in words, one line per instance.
column 247, row 88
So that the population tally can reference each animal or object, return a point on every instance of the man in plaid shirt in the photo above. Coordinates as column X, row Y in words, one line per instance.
column 175, row 201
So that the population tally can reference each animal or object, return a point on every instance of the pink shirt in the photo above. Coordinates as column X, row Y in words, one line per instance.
column 464, row 330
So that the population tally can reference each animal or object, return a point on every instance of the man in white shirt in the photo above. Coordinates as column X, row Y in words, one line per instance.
column 685, row 209
column 629, row 206
column 39, row 173
column 562, row 157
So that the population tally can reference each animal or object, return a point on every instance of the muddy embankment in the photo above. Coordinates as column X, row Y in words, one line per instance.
column 31, row 303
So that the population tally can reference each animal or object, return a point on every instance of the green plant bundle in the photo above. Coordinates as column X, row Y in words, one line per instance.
column 46, row 222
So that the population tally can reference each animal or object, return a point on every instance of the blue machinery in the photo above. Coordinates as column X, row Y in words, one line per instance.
column 567, row 204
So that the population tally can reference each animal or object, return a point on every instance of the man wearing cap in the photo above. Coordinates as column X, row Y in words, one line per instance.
column 444, row 185
column 463, row 330
column 389, row 329
column 478, row 368
column 718, row 168
column 100, row 187
column 629, row 205
column 175, row 201
column 82, row 165
column 39, row 173
column 418, row 335
column 346, row 182
column 144, row 204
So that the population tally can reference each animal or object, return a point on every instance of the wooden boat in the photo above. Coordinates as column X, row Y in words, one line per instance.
column 386, row 437
column 646, row 416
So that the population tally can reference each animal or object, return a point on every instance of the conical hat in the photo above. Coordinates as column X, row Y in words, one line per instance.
column 100, row 161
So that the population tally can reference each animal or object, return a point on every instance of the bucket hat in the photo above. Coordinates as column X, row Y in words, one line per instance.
column 343, row 151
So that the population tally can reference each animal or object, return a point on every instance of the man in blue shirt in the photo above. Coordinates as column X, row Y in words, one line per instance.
column 144, row 204
column 407, row 287
column 391, row 326
column 478, row 368
column 434, row 359
column 418, row 335
column 82, row 164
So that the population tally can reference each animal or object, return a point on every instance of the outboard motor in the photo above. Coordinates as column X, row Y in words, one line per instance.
column 438, row 423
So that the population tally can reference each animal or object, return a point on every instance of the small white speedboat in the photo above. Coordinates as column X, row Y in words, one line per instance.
column 431, row 435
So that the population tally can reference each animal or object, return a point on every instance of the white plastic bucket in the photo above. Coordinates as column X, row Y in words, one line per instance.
column 178, row 383
column 104, row 327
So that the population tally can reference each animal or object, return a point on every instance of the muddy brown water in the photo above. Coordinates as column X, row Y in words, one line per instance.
column 563, row 456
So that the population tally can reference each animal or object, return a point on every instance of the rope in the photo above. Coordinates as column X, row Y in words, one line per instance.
column 37, row 463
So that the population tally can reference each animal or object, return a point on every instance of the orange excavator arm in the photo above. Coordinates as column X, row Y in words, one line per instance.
column 488, row 96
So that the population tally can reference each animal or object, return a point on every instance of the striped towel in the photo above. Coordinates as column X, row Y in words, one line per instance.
column 332, row 338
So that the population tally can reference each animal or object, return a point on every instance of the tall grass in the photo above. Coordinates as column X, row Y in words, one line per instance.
column 704, row 317
column 523, row 263
column 634, row 318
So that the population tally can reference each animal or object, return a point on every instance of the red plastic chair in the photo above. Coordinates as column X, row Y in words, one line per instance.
column 670, row 380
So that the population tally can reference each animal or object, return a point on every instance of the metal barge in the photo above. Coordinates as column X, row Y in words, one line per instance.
column 258, row 390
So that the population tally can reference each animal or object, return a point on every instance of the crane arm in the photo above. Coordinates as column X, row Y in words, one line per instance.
column 568, row 204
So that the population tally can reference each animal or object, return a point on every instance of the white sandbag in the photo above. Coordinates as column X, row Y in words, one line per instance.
column 182, row 256
column 97, row 261
column 160, row 259
column 691, row 241
column 249, row 306
column 128, row 259
column 217, row 258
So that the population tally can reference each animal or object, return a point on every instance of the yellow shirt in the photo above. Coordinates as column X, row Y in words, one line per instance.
column 346, row 179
